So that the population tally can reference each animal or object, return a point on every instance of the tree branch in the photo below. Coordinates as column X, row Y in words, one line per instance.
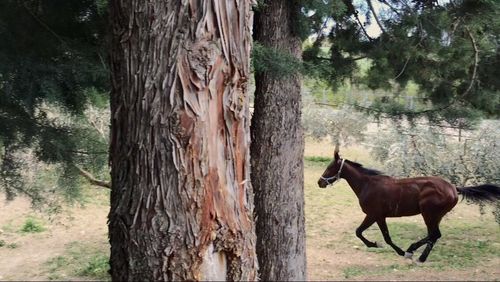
column 44, row 25
column 351, row 59
column 404, row 67
column 391, row 7
column 87, row 152
column 96, row 182
column 476, row 62
column 379, row 23
column 361, row 26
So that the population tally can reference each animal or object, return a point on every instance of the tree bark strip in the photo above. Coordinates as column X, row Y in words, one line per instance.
column 181, row 200
column 277, row 153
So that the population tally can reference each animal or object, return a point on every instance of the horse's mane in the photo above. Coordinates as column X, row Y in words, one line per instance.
column 364, row 170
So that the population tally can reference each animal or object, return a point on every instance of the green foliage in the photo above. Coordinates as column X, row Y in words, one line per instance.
column 51, row 70
column 32, row 225
column 312, row 15
column 448, row 49
column 319, row 160
column 274, row 62
column 2, row 243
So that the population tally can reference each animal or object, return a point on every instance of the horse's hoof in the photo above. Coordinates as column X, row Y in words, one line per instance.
column 408, row 255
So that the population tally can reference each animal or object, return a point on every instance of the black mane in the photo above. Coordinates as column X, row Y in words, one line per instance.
column 364, row 170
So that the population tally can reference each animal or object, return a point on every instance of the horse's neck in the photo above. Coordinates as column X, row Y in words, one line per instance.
column 355, row 178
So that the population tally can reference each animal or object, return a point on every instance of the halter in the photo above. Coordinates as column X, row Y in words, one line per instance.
column 336, row 177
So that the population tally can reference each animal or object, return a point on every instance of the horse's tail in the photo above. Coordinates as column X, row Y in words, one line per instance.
column 480, row 193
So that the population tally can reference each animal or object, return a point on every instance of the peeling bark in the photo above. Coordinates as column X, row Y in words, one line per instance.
column 277, row 153
column 181, row 202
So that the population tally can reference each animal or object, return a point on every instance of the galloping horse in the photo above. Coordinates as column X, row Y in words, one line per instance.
column 382, row 196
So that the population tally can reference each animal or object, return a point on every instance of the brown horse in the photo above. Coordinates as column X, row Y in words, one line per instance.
column 382, row 196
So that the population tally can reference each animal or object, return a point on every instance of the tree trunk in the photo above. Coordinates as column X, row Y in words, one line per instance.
column 277, row 153
column 181, row 200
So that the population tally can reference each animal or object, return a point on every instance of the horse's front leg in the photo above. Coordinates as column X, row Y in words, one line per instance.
column 367, row 222
column 385, row 232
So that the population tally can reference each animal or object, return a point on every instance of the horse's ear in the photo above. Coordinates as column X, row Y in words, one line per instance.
column 336, row 152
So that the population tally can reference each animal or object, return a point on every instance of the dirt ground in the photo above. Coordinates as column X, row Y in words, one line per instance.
column 28, row 260
column 333, row 251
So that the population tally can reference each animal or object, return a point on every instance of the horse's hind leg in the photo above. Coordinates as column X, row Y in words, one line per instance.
column 385, row 232
column 413, row 247
column 432, row 219
column 367, row 222
column 433, row 235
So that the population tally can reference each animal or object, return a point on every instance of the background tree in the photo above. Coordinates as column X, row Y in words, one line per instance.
column 277, row 148
column 423, row 150
column 181, row 202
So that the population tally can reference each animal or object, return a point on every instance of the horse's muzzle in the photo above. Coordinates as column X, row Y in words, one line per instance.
column 322, row 183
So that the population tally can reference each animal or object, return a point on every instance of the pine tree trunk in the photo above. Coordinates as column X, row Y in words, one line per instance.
column 277, row 153
column 181, row 200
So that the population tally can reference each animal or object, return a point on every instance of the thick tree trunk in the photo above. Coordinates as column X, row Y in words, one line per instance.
column 277, row 153
column 181, row 200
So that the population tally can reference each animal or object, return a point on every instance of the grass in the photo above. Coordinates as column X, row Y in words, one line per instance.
column 32, row 225
column 92, row 196
column 79, row 260
column 462, row 245
column 352, row 271
column 8, row 245
column 359, row 270
column 8, row 227
column 318, row 160
column 96, row 267
column 12, row 246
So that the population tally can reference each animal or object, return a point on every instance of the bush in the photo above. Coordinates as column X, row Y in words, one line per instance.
column 31, row 225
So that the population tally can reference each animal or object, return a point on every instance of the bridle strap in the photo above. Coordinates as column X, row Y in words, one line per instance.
column 336, row 177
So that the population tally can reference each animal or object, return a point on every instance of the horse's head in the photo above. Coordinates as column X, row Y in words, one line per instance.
column 332, row 172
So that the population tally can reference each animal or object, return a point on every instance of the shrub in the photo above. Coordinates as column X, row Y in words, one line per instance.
column 31, row 225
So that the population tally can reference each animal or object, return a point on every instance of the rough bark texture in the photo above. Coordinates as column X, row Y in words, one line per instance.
column 277, row 154
column 181, row 200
